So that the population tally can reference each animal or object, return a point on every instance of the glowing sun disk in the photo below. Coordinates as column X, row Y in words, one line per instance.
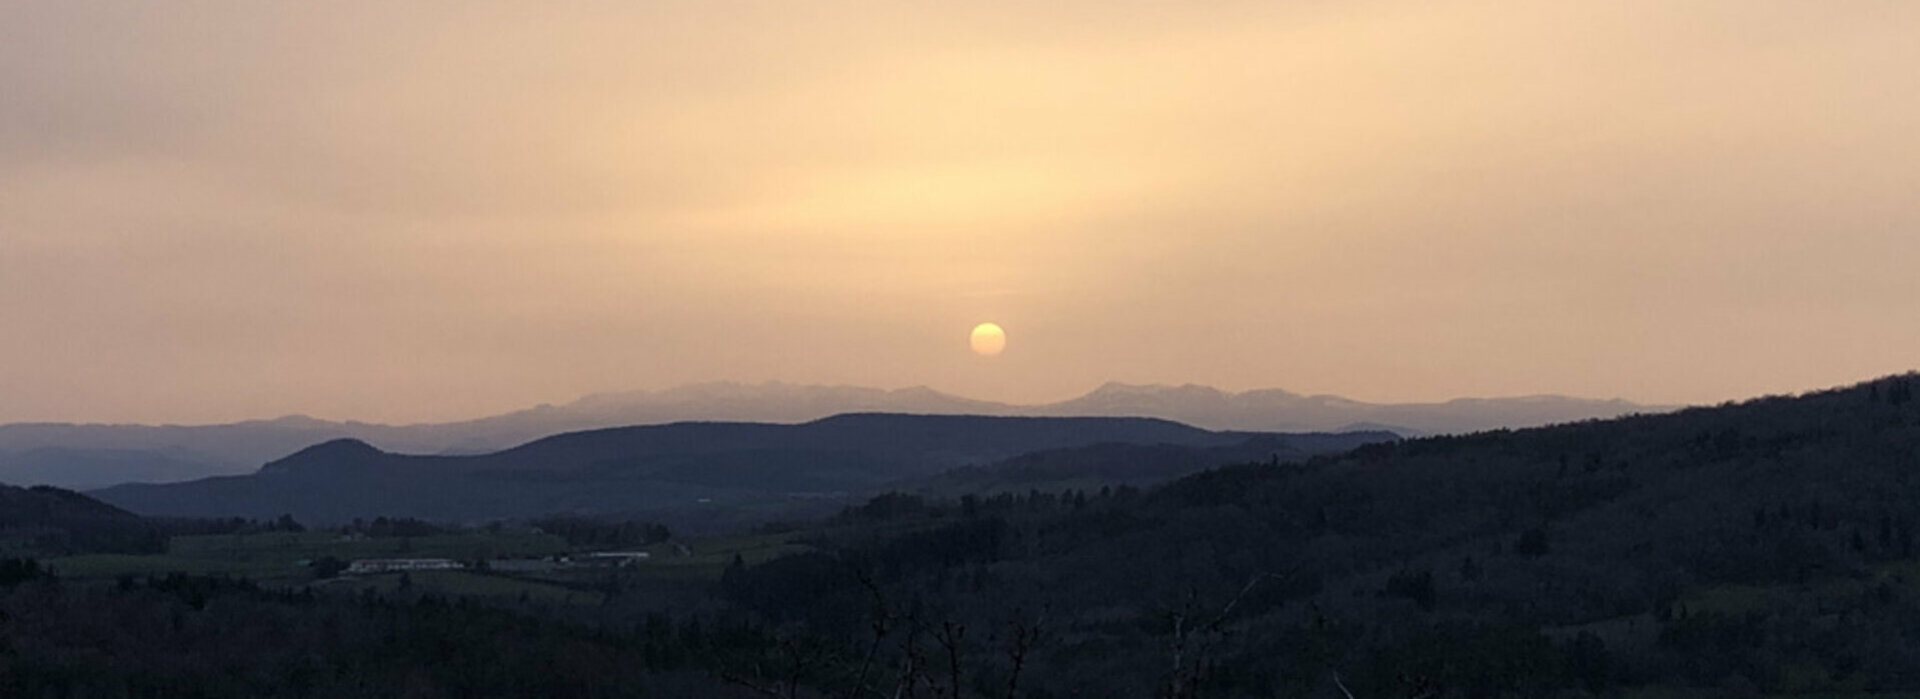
column 988, row 339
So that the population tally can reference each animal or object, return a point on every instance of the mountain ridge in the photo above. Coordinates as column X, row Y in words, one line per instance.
column 738, row 470
column 242, row 447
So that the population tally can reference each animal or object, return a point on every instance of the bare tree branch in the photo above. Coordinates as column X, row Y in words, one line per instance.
column 882, row 624
column 950, row 637
column 734, row 678
column 1199, row 633
column 1341, row 685
column 1025, row 636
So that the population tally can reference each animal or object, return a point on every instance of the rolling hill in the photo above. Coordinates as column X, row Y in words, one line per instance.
column 674, row 472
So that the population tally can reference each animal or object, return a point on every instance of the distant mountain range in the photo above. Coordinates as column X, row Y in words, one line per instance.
column 682, row 473
column 92, row 455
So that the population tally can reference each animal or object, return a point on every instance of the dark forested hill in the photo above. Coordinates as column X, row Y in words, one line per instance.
column 43, row 520
column 1765, row 546
column 1112, row 464
column 667, row 468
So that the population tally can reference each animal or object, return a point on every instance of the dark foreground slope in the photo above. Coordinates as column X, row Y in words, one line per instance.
column 1767, row 546
column 677, row 472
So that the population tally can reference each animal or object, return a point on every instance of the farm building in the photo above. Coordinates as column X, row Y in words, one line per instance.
column 367, row 566
column 523, row 565
column 611, row 559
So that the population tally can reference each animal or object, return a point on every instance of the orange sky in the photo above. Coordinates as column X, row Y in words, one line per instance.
column 427, row 211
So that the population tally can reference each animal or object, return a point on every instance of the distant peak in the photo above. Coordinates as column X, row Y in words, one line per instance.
column 1116, row 388
column 923, row 393
column 332, row 451
column 327, row 454
column 297, row 420
column 1122, row 387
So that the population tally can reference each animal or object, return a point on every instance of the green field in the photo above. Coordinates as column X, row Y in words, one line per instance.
column 460, row 583
column 706, row 559
column 282, row 558
column 109, row 565
column 288, row 547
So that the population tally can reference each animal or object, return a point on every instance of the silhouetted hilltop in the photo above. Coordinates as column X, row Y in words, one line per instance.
column 332, row 456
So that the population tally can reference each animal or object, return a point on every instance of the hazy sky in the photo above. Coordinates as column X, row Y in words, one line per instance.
column 425, row 211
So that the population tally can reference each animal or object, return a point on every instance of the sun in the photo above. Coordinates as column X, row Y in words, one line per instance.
column 988, row 339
